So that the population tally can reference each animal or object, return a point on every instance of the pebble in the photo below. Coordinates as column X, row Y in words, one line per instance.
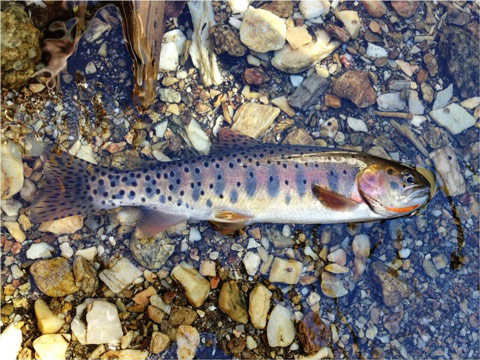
column 172, row 45
column 85, row 275
column 10, row 342
column 11, row 207
column 471, row 103
column 194, row 235
column 296, row 80
column 430, row 269
column 338, row 256
column 14, row 230
column 168, row 95
column 405, row 8
column 446, row 164
column 195, row 285
column 251, row 343
column 443, row 97
column 357, row 124
column 394, row 290
column 350, row 19
column 298, row 36
column 309, row 91
column 336, row 268
column 361, row 246
column 47, row 322
column 375, row 51
column 254, row 119
column 376, row 8
column 333, row 101
column 200, row 141
column 90, row 68
column 312, row 9
column 254, row 76
column 67, row 225
column 157, row 301
column 407, row 68
column 127, row 354
column 159, row 342
column 454, row 118
column 332, row 286
column 280, row 329
column 294, row 61
column 12, row 169
column 121, row 275
column 282, row 103
column 28, row 190
column 259, row 306
column 88, row 253
column 103, row 324
column 415, row 106
column 160, row 128
column 404, row 253
column 226, row 39
column 440, row 261
column 39, row 251
column 152, row 251
column 232, row 302
column 188, row 340
column 251, row 261
column 299, row 136
column 53, row 277
column 431, row 63
column 313, row 333
column 285, row 271
column 155, row 314
column 17, row 273
column 51, row 346
column 427, row 92
column 355, row 86
column 262, row 31
column 207, row 268
column 391, row 102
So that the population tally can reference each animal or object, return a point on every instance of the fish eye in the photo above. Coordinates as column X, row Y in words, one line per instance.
column 408, row 178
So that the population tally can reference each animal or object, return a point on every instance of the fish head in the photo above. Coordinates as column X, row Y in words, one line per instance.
column 392, row 189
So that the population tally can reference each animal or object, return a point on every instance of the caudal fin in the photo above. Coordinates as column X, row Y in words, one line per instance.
column 66, row 190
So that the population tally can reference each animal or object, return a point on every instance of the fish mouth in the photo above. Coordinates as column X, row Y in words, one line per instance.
column 419, row 196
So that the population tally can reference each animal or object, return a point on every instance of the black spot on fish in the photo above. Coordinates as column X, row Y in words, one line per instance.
column 157, row 191
column 138, row 176
column 101, row 182
column 131, row 194
column 147, row 178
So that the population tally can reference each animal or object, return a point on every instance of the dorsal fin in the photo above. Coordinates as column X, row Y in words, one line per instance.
column 231, row 139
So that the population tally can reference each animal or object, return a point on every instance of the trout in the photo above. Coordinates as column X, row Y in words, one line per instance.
column 240, row 182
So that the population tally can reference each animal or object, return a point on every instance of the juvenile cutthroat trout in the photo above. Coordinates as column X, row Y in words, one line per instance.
column 240, row 182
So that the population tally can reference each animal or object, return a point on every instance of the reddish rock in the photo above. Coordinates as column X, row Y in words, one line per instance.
column 253, row 76
column 375, row 8
column 284, row 9
column 237, row 345
column 333, row 101
column 405, row 8
column 355, row 85
column 313, row 333
column 337, row 32
column 422, row 76
column 431, row 63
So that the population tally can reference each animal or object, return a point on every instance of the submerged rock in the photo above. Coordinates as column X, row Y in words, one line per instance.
column 280, row 329
column 313, row 333
column 253, row 119
column 12, row 168
column 355, row 86
column 394, row 290
column 54, row 277
column 259, row 306
column 262, row 31
column 232, row 302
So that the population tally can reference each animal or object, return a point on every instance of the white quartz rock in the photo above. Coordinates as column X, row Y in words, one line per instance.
column 454, row 118
column 357, row 124
column 12, row 169
column 350, row 19
column 251, row 261
column 10, row 342
column 122, row 274
column 198, row 138
column 238, row 6
column 39, row 251
column 280, row 329
column 375, row 51
column 171, row 50
column 51, row 346
column 314, row 8
column 262, row 31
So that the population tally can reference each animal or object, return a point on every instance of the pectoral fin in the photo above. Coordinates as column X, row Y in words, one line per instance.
column 333, row 200
column 154, row 221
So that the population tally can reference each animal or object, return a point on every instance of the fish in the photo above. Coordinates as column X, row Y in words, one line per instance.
column 240, row 182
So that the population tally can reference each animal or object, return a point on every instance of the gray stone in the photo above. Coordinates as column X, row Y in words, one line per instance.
column 391, row 102
column 169, row 95
column 308, row 92
column 454, row 118
column 443, row 97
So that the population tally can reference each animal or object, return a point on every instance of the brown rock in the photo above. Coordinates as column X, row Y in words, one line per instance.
column 284, row 9
column 431, row 63
column 159, row 342
column 337, row 32
column 392, row 322
column 232, row 302
column 333, row 101
column 375, row 8
column 253, row 76
column 422, row 76
column 181, row 315
column 394, row 290
column 313, row 333
column 155, row 314
column 54, row 277
column 299, row 137
column 436, row 137
column 427, row 92
column 86, row 277
column 225, row 39
column 355, row 85
column 143, row 297
column 308, row 92
column 405, row 8
column 237, row 345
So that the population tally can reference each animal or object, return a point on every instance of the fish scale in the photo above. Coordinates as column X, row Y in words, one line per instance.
column 242, row 182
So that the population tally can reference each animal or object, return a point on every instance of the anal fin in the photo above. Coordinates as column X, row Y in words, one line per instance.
column 333, row 200
column 154, row 221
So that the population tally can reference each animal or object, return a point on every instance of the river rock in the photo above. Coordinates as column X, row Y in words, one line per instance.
column 375, row 8
column 232, row 302
column 460, row 49
column 225, row 39
column 181, row 315
column 284, row 9
column 172, row 46
column 332, row 286
column 199, row 139
column 259, row 306
column 446, row 164
column 309, row 91
column 10, row 342
column 350, row 19
column 51, row 346
column 280, row 329
column 262, row 31
column 126, row 354
column 155, row 314
column 254, row 119
column 67, row 225
column 152, row 251
column 85, row 275
column 375, row 51
column 188, row 340
column 427, row 92
column 159, row 342
column 12, row 168
column 405, row 8
column 431, row 63
column 313, row 333
column 47, row 322
column 357, row 124
column 102, row 323
column 299, row 136
column 39, row 251
column 312, row 9
column 54, row 277
column 14, row 230
column 454, row 118
column 121, row 275
column 355, row 86
column 394, row 290
column 415, row 105
column 298, row 36
column 195, row 285
column 391, row 102
column 443, row 97
column 251, row 261
column 285, row 271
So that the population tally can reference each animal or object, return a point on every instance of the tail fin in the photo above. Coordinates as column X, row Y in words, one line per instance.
column 66, row 190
